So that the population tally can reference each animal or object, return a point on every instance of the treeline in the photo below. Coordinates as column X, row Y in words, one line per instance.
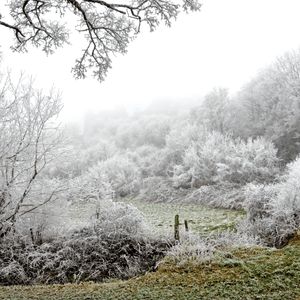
column 235, row 139
column 267, row 106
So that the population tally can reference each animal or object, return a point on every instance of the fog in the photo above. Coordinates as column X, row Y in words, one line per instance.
column 223, row 45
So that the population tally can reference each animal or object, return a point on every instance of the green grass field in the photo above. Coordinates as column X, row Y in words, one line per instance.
column 202, row 220
column 159, row 217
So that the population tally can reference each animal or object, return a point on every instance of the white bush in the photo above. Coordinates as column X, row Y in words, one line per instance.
column 118, row 218
column 177, row 142
column 119, row 174
column 274, row 210
column 221, row 158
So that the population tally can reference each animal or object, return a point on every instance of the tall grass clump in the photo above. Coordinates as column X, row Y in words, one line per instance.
column 273, row 211
column 194, row 249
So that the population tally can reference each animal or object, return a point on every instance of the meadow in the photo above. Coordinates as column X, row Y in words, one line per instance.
column 159, row 217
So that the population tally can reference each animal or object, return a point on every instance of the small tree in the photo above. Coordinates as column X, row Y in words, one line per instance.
column 107, row 27
column 28, row 142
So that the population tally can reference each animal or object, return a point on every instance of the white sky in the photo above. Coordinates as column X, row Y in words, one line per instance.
column 224, row 44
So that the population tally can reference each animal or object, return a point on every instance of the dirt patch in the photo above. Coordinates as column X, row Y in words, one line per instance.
column 294, row 240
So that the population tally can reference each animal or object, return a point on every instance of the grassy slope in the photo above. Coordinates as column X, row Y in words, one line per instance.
column 256, row 273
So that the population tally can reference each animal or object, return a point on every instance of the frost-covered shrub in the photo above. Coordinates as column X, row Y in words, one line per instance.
column 274, row 210
column 245, row 161
column 289, row 188
column 177, row 142
column 220, row 157
column 151, row 129
column 91, row 196
column 87, row 255
column 199, row 163
column 258, row 199
column 117, row 218
column 102, row 150
column 116, row 176
column 108, row 217
column 156, row 189
column 111, row 245
column 79, row 160
column 54, row 218
column 92, row 185
column 146, row 158
column 122, row 173
column 39, row 222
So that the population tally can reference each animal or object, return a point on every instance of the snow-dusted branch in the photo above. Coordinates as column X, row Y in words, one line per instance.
column 107, row 27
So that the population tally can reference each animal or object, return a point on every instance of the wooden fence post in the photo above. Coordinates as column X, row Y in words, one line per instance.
column 186, row 225
column 176, row 228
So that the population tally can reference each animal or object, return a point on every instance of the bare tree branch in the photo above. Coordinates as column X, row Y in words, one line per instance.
column 17, row 30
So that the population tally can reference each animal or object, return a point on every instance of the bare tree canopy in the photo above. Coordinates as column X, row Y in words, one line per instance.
column 29, row 141
column 107, row 27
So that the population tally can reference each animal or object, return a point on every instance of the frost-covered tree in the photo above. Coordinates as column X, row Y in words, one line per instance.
column 107, row 27
column 28, row 142
column 215, row 112
column 271, row 102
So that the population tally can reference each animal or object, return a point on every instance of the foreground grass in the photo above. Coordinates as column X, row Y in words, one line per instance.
column 246, row 273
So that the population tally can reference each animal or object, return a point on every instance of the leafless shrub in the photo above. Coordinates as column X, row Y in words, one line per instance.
column 88, row 254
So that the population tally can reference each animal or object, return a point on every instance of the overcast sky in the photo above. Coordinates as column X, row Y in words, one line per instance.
column 223, row 45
